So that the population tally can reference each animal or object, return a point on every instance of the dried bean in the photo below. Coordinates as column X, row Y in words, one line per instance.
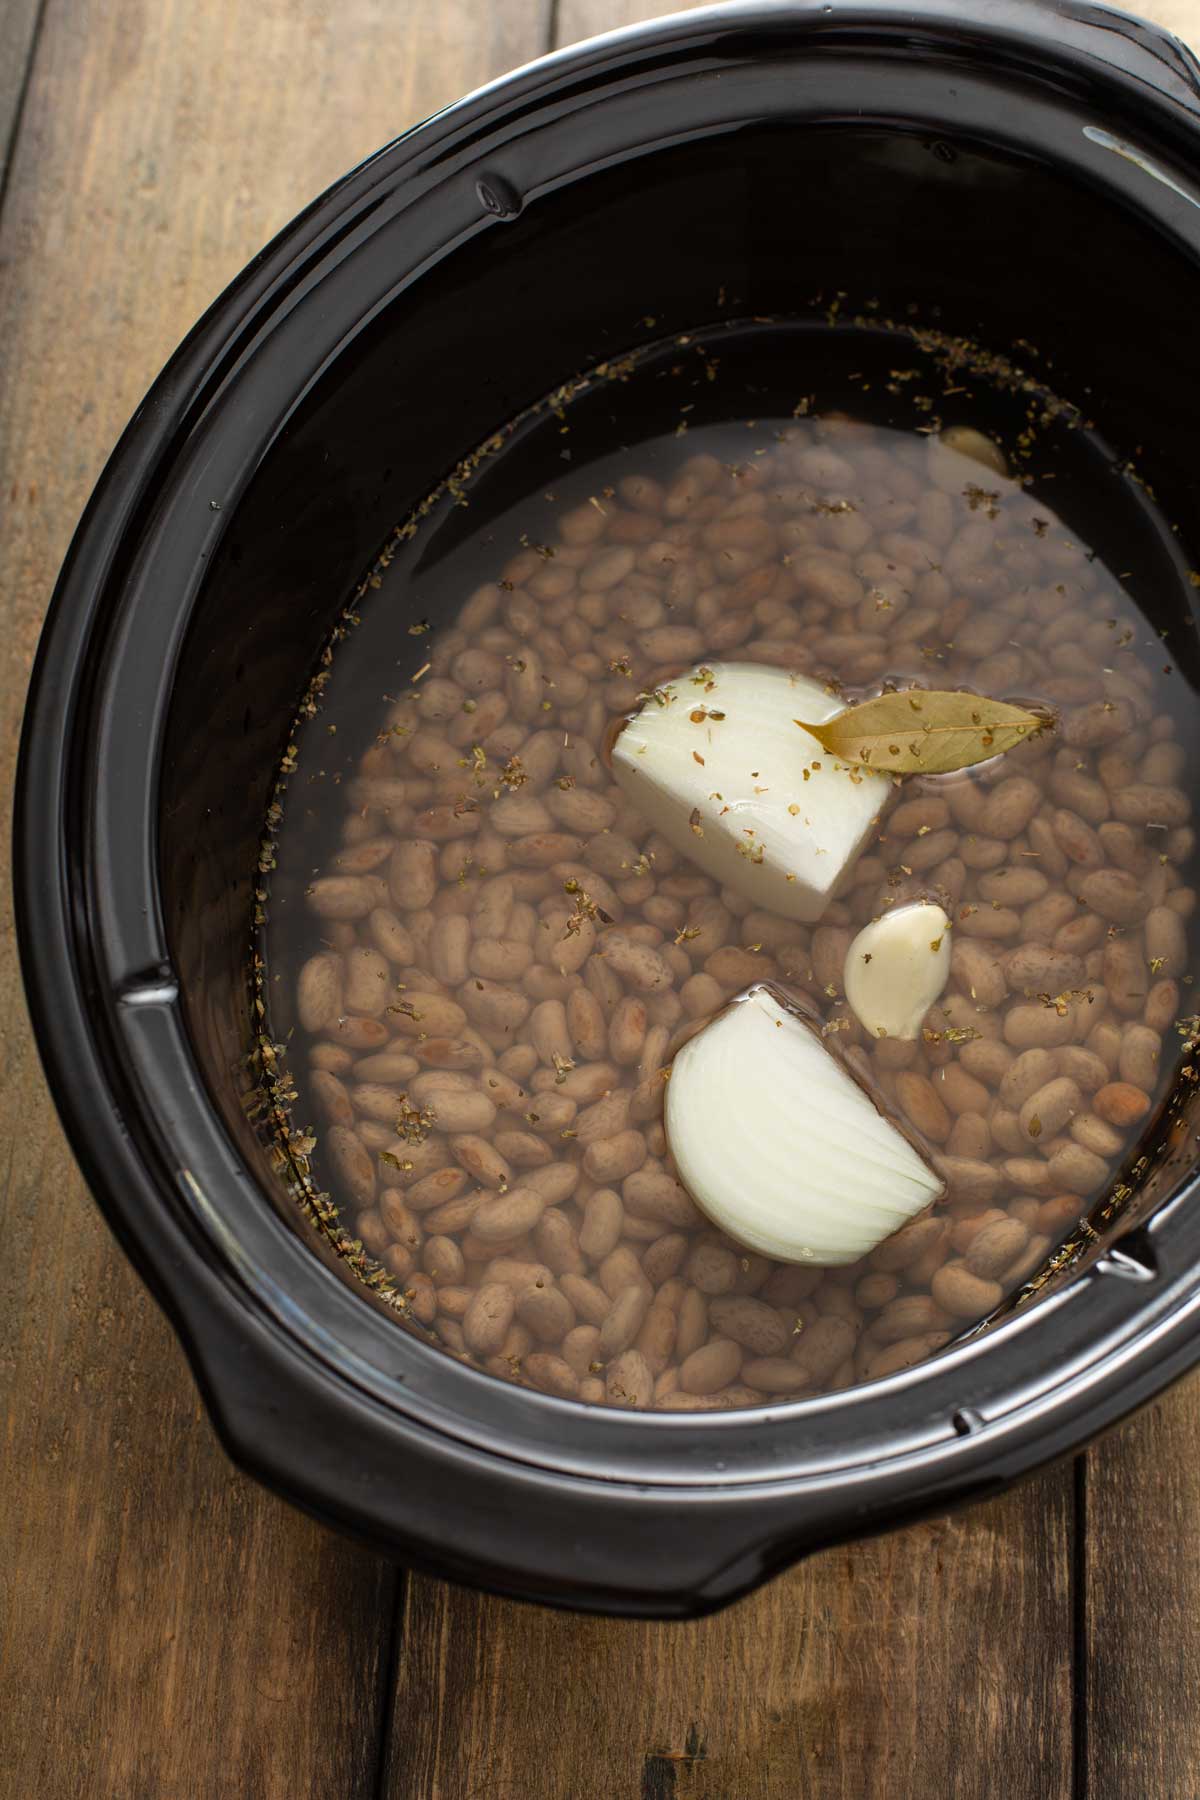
column 963, row 1294
column 1139, row 1060
column 628, row 1381
column 752, row 1323
column 508, row 1217
column 487, row 1319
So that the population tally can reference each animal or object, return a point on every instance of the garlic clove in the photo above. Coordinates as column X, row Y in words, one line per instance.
column 718, row 764
column 897, row 967
column 779, row 1143
column 966, row 441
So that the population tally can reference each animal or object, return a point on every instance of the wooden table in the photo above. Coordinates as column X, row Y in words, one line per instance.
column 168, row 1630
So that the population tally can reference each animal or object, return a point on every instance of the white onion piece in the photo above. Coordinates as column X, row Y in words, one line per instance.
column 897, row 967
column 748, row 795
column 779, row 1144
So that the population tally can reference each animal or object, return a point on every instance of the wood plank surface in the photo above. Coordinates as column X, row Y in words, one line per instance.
column 908, row 1666
column 577, row 19
column 1141, row 1605
column 168, row 1630
column 586, row 18
column 1180, row 16
column 18, row 29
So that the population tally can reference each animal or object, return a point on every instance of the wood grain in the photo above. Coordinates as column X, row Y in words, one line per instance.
column 1141, row 1605
column 907, row 1666
column 1180, row 16
column 168, row 1631
column 585, row 18
column 18, row 28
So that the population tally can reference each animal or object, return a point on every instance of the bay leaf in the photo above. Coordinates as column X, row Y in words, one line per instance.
column 915, row 732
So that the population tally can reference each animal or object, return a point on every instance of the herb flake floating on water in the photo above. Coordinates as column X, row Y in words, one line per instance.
column 914, row 731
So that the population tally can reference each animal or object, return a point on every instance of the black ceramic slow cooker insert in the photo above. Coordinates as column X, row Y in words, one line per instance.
column 1020, row 172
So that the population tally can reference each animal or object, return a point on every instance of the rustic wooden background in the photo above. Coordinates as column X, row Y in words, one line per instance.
column 168, row 1631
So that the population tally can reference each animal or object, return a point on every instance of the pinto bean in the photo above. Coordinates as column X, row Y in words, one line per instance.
column 978, row 971
column 965, row 1295
column 1166, row 942
column 752, row 1323
column 487, row 1319
column 1050, row 1108
column 1141, row 1049
column 628, row 1381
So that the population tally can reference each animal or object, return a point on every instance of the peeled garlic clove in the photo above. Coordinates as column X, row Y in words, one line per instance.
column 966, row 441
column 718, row 764
column 961, row 458
column 897, row 967
column 781, row 1146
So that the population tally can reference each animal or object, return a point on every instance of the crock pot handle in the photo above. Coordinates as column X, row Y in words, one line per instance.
column 1139, row 48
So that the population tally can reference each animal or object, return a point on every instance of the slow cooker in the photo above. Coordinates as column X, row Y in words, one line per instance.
column 1025, row 173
